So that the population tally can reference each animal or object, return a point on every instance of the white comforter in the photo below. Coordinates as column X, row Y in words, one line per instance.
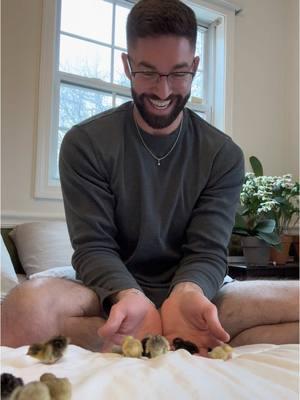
column 266, row 372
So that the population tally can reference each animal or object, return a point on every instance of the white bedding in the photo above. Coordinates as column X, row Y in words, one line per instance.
column 266, row 372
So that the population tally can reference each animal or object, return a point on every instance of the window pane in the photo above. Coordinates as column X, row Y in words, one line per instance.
column 89, row 18
column 197, row 87
column 84, row 58
column 119, row 75
column 77, row 104
column 200, row 48
column 121, row 100
column 120, row 26
column 198, row 82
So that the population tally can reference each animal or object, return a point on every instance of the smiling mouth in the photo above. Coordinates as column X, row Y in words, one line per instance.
column 160, row 104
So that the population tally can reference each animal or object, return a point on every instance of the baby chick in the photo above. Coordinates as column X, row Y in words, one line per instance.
column 51, row 351
column 59, row 388
column 31, row 391
column 132, row 347
column 223, row 352
column 155, row 345
column 179, row 343
column 8, row 383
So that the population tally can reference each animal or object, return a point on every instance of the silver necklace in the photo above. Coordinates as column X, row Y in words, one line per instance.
column 158, row 159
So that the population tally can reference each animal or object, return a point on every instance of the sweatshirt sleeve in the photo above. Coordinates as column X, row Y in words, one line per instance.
column 204, row 260
column 89, row 207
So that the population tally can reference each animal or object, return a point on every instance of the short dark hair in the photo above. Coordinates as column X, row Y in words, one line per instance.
column 152, row 18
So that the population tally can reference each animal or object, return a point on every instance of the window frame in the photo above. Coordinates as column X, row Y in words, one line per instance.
column 220, row 95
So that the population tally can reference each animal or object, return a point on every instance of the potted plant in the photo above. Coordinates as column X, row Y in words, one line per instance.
column 286, row 214
column 257, row 230
column 268, row 204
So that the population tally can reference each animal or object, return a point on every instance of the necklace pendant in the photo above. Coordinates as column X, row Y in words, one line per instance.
column 158, row 162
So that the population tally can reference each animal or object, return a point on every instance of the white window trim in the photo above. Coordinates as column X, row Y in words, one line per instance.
column 46, row 188
column 221, row 99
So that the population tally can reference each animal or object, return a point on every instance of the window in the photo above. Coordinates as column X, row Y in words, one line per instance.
column 82, row 72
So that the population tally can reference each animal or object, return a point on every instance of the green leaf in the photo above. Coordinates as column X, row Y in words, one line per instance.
column 271, row 238
column 265, row 226
column 240, row 222
column 256, row 166
column 240, row 231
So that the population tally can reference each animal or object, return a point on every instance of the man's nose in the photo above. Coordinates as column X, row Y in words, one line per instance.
column 162, row 88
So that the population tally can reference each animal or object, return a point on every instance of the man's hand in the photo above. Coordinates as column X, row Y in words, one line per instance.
column 133, row 315
column 188, row 314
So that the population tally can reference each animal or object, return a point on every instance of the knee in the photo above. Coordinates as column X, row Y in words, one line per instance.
column 28, row 314
column 228, row 304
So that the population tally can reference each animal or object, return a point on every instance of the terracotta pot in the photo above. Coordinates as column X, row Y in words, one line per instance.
column 281, row 257
column 256, row 251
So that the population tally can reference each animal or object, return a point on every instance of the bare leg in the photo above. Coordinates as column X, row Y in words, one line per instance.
column 41, row 308
column 246, row 305
column 286, row 332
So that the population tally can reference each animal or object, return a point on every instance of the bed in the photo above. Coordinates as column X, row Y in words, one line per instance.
column 255, row 372
column 260, row 371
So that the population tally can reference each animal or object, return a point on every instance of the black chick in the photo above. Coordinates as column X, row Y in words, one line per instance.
column 50, row 351
column 8, row 383
column 179, row 343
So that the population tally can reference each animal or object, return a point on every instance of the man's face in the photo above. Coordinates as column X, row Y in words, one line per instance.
column 160, row 100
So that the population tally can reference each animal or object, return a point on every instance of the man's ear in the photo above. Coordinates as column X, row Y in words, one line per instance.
column 125, row 65
column 196, row 63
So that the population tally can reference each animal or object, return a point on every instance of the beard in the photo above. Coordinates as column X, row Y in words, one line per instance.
column 158, row 121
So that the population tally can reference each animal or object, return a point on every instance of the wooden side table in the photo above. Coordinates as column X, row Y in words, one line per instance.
column 242, row 272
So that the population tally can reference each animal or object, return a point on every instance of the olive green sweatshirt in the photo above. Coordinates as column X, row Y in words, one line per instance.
column 136, row 224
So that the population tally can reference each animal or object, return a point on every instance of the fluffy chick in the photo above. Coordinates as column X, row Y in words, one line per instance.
column 179, row 343
column 132, row 347
column 50, row 351
column 8, row 384
column 156, row 345
column 223, row 352
column 31, row 391
column 59, row 388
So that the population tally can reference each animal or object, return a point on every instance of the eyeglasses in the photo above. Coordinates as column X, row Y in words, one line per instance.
column 182, row 78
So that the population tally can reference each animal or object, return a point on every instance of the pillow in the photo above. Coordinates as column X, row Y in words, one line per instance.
column 9, row 278
column 59, row 272
column 42, row 245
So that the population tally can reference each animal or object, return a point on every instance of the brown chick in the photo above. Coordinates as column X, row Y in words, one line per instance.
column 59, row 388
column 156, row 345
column 50, row 351
column 31, row 391
column 132, row 347
column 223, row 352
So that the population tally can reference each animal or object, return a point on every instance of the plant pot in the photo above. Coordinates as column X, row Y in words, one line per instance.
column 281, row 257
column 256, row 251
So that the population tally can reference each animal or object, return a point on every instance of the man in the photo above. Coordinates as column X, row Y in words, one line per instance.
column 150, row 190
column 150, row 193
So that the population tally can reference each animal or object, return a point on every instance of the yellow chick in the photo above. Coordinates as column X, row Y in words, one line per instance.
column 156, row 345
column 31, row 391
column 50, row 351
column 59, row 388
column 223, row 352
column 132, row 347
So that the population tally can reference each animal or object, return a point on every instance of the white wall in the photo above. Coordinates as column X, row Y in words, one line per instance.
column 265, row 97
column 266, row 103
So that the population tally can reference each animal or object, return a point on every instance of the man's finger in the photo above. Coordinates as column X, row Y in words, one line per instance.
column 112, row 325
column 214, row 325
column 203, row 352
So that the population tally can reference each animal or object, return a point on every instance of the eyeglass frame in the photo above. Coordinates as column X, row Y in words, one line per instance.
column 158, row 74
